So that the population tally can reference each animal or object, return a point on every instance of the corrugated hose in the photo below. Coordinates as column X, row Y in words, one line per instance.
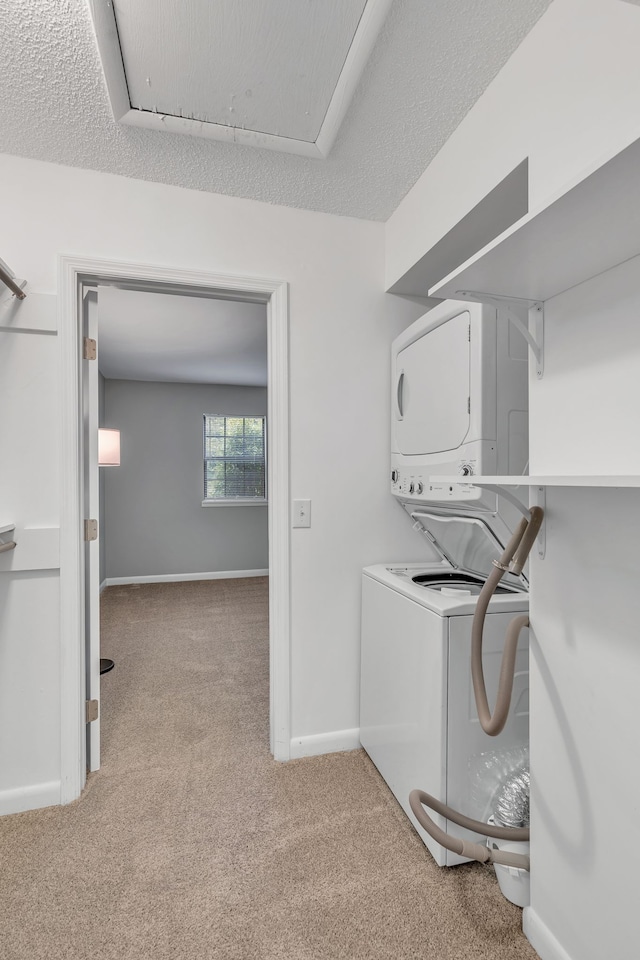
column 512, row 560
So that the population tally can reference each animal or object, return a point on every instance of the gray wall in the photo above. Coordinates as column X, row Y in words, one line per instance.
column 154, row 521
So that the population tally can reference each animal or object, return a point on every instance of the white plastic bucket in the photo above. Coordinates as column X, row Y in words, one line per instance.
column 514, row 882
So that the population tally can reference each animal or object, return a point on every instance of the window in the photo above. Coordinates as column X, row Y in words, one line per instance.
column 234, row 459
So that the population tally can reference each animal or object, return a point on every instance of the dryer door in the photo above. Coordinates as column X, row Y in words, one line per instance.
column 431, row 390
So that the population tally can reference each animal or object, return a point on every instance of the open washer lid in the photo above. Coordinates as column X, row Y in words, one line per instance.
column 467, row 543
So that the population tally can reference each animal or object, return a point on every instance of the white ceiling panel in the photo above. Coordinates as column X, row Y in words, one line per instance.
column 265, row 65
column 181, row 339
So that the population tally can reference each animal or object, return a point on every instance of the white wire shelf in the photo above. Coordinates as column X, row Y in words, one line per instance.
column 591, row 226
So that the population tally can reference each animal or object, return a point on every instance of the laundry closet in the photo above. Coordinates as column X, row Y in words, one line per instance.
column 459, row 405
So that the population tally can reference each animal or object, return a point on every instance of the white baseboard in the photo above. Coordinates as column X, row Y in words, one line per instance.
column 320, row 743
column 103, row 585
column 541, row 938
column 30, row 798
column 179, row 577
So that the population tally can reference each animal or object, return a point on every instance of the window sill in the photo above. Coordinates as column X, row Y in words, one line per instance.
column 235, row 503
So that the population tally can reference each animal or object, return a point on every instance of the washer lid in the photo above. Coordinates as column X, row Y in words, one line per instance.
column 467, row 543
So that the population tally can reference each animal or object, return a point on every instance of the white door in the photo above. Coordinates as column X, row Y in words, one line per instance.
column 432, row 390
column 91, row 495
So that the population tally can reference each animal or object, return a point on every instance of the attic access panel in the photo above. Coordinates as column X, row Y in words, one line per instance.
column 277, row 74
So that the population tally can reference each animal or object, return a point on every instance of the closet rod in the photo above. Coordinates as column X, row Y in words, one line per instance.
column 8, row 280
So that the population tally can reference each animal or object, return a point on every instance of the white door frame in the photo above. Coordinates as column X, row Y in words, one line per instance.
column 72, row 271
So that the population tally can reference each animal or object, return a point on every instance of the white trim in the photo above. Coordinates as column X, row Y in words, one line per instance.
column 36, row 314
column 106, row 31
column 72, row 650
column 104, row 25
column 320, row 743
column 37, row 548
column 103, row 585
column 278, row 522
column 30, row 798
column 219, row 131
column 72, row 270
column 183, row 577
column 235, row 503
column 541, row 938
column 371, row 21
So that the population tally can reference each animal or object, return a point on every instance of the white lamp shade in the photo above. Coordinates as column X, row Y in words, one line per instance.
column 109, row 448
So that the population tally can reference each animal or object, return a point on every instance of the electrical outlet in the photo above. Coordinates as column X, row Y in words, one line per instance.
column 302, row 513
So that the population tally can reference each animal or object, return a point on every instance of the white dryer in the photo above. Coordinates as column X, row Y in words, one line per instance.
column 418, row 720
column 459, row 404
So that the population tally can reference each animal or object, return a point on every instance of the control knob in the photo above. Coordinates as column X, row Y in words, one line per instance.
column 466, row 470
column 419, row 487
column 394, row 476
column 411, row 488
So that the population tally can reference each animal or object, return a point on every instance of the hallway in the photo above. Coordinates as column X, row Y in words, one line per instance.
column 191, row 842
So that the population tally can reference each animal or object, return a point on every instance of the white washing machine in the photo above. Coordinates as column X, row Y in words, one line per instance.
column 418, row 720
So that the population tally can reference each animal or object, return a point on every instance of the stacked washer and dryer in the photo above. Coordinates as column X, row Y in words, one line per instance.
column 459, row 407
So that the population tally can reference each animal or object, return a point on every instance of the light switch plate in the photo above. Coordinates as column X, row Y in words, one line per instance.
column 302, row 513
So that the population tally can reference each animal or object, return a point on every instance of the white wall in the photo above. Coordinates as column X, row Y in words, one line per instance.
column 341, row 324
column 565, row 98
column 158, row 488
column 585, row 669
column 29, row 495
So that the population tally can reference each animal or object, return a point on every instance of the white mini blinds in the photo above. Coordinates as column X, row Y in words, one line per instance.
column 234, row 458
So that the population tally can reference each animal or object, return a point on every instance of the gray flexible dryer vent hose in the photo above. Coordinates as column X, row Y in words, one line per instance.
column 518, row 548
column 513, row 559
column 467, row 848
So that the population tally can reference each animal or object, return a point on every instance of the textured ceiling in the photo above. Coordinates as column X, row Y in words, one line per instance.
column 432, row 61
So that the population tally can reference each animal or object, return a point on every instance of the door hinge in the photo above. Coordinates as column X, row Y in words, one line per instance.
column 90, row 530
column 89, row 350
column 91, row 711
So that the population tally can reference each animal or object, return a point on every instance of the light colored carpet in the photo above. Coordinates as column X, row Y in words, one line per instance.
column 191, row 843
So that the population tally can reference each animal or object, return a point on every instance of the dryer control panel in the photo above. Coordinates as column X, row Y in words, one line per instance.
column 418, row 484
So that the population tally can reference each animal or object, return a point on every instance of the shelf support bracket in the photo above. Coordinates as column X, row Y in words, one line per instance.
column 538, row 498
column 532, row 331
column 501, row 492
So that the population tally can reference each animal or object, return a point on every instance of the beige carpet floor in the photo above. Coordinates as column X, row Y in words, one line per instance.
column 191, row 843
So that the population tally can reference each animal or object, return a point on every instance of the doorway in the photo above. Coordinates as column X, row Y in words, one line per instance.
column 75, row 603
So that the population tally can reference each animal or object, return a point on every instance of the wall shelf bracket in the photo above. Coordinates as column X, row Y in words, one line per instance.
column 538, row 498
column 526, row 315
column 503, row 492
